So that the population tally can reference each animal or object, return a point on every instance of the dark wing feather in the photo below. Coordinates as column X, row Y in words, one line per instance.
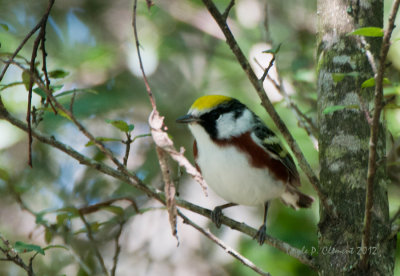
column 272, row 144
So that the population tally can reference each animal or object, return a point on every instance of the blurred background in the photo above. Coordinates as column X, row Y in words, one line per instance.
column 185, row 56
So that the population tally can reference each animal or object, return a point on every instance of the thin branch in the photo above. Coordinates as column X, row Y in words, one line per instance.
column 394, row 232
column 305, row 166
column 227, row 248
column 303, row 120
column 148, row 89
column 156, row 124
column 117, row 248
column 228, row 9
column 27, row 37
column 395, row 216
column 40, row 38
column 271, row 63
column 127, row 143
column 12, row 256
column 93, row 243
column 96, row 207
column 372, row 163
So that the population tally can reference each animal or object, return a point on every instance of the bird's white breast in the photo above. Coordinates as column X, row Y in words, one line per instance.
column 228, row 172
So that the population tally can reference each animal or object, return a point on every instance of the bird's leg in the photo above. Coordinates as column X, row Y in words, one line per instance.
column 262, row 231
column 217, row 213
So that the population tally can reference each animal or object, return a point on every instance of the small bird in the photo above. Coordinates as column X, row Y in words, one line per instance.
column 240, row 158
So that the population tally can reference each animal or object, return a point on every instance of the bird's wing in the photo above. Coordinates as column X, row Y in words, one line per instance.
column 272, row 144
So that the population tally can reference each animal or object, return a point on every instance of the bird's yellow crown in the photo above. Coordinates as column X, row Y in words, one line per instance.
column 209, row 101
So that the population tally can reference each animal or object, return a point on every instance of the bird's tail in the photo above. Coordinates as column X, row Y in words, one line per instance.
column 296, row 199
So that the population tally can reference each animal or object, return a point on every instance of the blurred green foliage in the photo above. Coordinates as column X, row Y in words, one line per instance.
column 91, row 48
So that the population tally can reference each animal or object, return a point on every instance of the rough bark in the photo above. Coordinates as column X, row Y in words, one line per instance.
column 344, row 141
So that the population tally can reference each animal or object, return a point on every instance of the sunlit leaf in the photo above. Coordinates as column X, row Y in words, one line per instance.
column 371, row 82
column 121, row 125
column 368, row 31
column 4, row 26
column 58, row 74
column 391, row 90
column 56, row 246
column 26, row 77
column 338, row 77
column 4, row 175
column 48, row 235
column 113, row 209
column 56, row 87
column 334, row 108
column 5, row 86
column 68, row 92
column 40, row 92
column 102, row 139
column 274, row 50
column 22, row 247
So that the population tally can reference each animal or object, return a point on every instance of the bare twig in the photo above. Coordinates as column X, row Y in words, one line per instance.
column 40, row 37
column 94, row 243
column 372, row 163
column 127, row 143
column 305, row 166
column 228, row 9
column 148, row 89
column 395, row 216
column 96, row 207
column 117, row 248
column 71, row 104
column 303, row 120
column 227, row 248
column 11, row 255
column 271, row 63
column 169, row 186
column 394, row 231
column 27, row 37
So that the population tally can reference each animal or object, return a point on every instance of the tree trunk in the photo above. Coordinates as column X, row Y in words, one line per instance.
column 344, row 141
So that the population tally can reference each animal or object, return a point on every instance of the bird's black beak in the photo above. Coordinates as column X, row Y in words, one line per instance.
column 187, row 119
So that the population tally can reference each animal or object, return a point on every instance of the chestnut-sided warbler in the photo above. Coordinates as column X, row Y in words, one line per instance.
column 240, row 158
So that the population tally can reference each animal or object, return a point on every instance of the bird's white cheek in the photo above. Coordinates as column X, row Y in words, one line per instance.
column 228, row 126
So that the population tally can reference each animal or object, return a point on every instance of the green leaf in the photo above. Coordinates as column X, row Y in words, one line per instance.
column 4, row 175
column 72, row 210
column 40, row 218
column 368, row 31
column 113, row 209
column 102, row 139
column 61, row 218
column 391, row 90
column 56, row 246
column 22, row 247
column 4, row 26
column 121, row 125
column 334, row 108
column 274, row 50
column 65, row 93
column 40, row 92
column 338, row 77
column 48, row 235
column 26, row 77
column 368, row 83
column 56, row 87
column 5, row 86
column 371, row 82
column 58, row 74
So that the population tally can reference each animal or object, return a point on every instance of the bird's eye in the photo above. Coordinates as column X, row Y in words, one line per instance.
column 215, row 116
